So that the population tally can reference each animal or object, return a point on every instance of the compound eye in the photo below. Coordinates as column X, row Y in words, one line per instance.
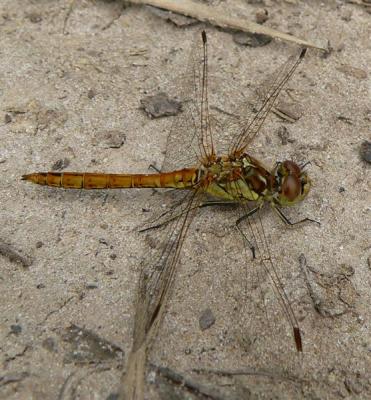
column 292, row 168
column 291, row 187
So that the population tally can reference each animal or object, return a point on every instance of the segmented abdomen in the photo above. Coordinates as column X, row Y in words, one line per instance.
column 182, row 179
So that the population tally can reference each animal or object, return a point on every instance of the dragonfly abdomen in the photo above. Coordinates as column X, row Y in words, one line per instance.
column 182, row 179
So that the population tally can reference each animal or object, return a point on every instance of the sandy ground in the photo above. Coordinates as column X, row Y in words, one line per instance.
column 71, row 81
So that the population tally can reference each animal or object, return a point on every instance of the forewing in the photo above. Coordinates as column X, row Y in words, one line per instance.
column 251, row 114
column 189, row 140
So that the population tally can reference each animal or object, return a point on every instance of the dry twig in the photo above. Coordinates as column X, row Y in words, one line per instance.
column 215, row 17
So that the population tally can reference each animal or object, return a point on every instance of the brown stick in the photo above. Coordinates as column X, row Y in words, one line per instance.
column 208, row 14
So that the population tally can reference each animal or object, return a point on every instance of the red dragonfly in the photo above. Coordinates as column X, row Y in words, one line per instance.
column 198, row 163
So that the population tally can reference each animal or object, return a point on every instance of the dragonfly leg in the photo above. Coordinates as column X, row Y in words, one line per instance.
column 288, row 222
column 152, row 166
column 217, row 203
column 163, row 223
column 238, row 222
column 203, row 204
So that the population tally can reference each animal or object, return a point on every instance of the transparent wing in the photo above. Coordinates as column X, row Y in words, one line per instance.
column 158, row 270
column 166, row 239
column 194, row 133
column 245, row 123
column 189, row 140
column 267, row 305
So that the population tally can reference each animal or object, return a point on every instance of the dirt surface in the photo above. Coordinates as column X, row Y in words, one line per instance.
column 72, row 75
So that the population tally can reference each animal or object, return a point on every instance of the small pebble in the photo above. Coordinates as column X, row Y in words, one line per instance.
column 35, row 18
column 345, row 119
column 50, row 344
column 261, row 16
column 60, row 164
column 206, row 319
column 113, row 139
column 160, row 105
column 284, row 135
column 91, row 94
column 113, row 396
column 15, row 329
column 365, row 151
column 346, row 15
column 40, row 286
column 251, row 39
column 91, row 285
column 353, row 72
column 177, row 19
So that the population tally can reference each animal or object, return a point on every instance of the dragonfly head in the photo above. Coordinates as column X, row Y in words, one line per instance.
column 292, row 183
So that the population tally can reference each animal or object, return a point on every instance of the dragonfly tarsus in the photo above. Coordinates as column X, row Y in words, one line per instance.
column 157, row 170
column 298, row 341
column 204, row 37
column 302, row 166
column 288, row 222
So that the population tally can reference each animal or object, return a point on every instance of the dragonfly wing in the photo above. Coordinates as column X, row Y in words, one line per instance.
column 166, row 240
column 267, row 303
column 189, row 140
column 154, row 287
column 250, row 116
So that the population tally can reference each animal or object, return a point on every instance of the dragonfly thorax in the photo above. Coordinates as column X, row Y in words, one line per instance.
column 237, row 179
column 246, row 178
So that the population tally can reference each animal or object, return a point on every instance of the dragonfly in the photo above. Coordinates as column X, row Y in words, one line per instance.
column 207, row 171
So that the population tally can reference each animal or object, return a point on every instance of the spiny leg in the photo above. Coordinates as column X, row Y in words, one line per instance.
column 209, row 203
column 238, row 222
column 288, row 222
column 170, row 219
column 152, row 166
